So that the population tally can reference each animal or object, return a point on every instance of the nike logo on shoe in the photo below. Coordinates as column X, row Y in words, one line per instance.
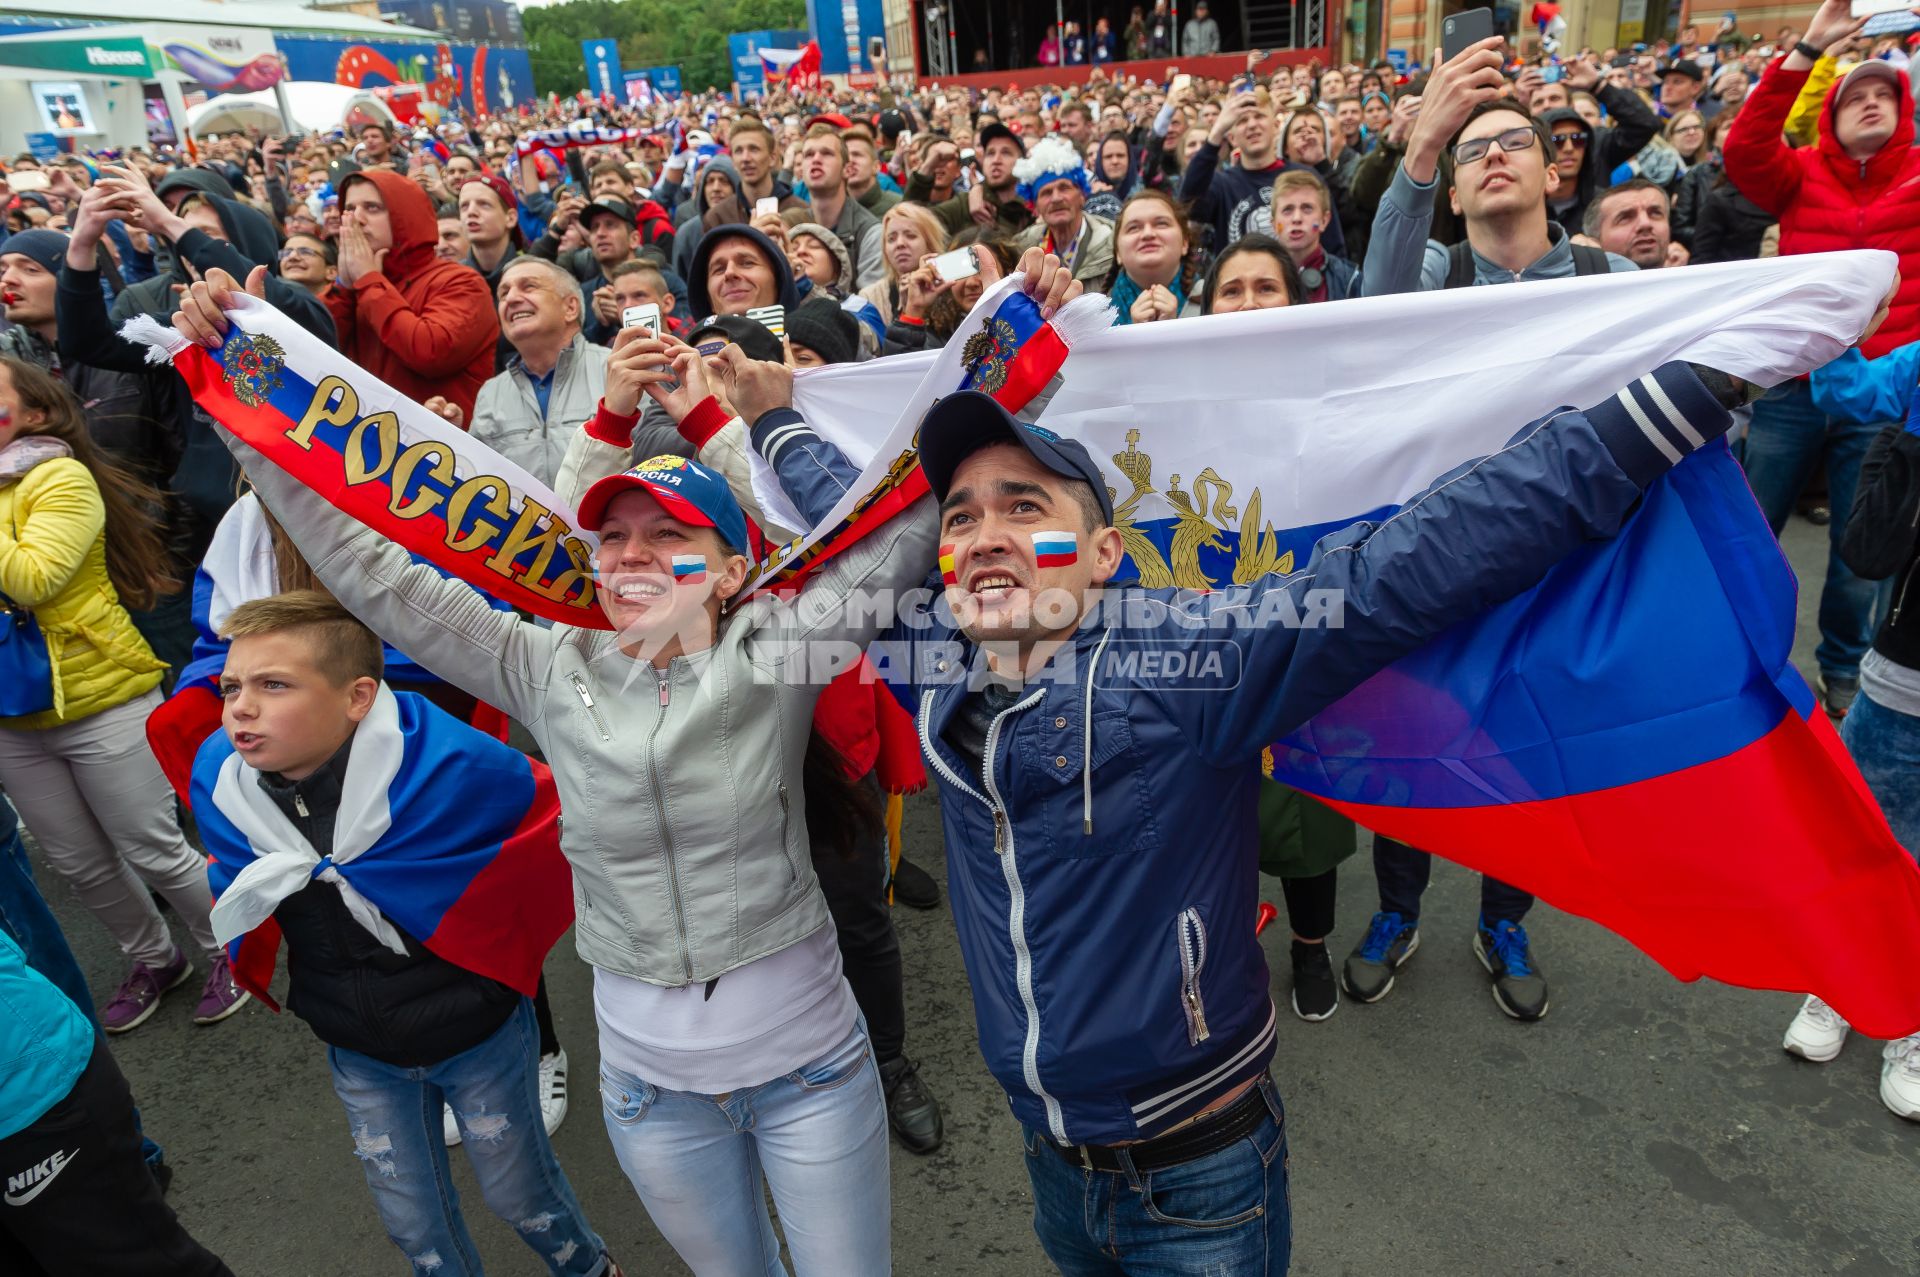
column 33, row 1181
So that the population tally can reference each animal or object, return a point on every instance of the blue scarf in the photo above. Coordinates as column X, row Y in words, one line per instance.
column 1125, row 293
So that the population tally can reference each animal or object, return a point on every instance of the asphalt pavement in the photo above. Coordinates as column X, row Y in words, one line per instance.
column 1644, row 1126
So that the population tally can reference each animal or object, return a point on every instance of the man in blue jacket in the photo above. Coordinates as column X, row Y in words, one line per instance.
column 1101, row 822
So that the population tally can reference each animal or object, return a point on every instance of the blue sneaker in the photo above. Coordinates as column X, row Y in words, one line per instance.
column 1368, row 972
column 1518, row 986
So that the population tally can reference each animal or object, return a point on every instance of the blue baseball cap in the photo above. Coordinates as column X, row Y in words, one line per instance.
column 689, row 491
column 966, row 421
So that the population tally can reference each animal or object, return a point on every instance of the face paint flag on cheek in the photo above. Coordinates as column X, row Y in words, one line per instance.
column 1055, row 549
column 947, row 573
column 689, row 569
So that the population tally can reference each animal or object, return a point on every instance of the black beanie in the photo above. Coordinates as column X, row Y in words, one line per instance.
column 824, row 327
column 46, row 248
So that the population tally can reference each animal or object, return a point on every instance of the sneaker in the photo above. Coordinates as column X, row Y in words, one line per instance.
column 914, row 886
column 222, row 997
column 1816, row 1033
column 912, row 1111
column 553, row 1090
column 450, row 1126
column 140, row 993
column 1836, row 694
column 1900, row 1077
column 1389, row 942
column 1518, row 986
column 1316, row 994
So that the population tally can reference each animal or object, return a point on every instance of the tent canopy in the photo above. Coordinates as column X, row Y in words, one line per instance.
column 317, row 108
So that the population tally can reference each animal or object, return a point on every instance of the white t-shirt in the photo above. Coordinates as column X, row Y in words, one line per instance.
column 761, row 1021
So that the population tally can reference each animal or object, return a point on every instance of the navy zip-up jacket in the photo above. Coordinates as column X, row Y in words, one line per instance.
column 1117, row 984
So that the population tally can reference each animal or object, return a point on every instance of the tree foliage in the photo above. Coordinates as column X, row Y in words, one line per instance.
column 690, row 34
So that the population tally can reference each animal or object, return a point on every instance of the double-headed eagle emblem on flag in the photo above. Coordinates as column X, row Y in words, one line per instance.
column 986, row 355
column 252, row 364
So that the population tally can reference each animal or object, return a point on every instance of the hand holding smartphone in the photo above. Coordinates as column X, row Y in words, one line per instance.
column 770, row 204
column 960, row 264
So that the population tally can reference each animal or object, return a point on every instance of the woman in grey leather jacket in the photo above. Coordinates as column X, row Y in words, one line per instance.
column 731, row 1046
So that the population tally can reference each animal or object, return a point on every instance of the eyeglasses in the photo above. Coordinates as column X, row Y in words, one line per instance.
column 1690, row 128
column 1472, row 152
column 298, row 251
column 1578, row 141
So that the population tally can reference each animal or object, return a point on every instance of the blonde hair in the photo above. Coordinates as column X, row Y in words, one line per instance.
column 930, row 227
column 341, row 647
column 1298, row 179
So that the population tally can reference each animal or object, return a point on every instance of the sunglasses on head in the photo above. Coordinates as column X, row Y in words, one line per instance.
column 1511, row 140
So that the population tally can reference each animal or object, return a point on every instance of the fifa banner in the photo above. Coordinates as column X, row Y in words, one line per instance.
column 1628, row 740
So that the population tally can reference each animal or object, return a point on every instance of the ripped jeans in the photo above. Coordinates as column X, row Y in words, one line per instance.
column 395, row 1117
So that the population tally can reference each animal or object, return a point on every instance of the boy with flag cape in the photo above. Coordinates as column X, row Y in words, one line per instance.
column 417, row 910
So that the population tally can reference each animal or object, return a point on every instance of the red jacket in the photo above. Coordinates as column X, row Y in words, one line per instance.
column 424, row 326
column 1826, row 201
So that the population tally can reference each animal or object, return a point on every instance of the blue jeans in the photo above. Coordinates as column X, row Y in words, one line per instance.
column 395, row 1114
column 817, row 1137
column 1789, row 438
column 1402, row 873
column 1228, row 1212
column 1885, row 745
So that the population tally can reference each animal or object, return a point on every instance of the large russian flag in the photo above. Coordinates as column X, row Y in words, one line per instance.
column 1628, row 740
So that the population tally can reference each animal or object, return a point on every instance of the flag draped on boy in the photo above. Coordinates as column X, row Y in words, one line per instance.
column 446, row 833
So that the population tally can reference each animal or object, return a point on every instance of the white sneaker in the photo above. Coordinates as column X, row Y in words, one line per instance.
column 453, row 1126
column 553, row 1090
column 1900, row 1077
column 1816, row 1033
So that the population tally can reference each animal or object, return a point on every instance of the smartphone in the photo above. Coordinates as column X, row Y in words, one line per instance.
column 1182, row 81
column 771, row 204
column 876, row 48
column 27, row 180
column 1459, row 30
column 1549, row 75
column 960, row 264
column 645, row 316
column 772, row 318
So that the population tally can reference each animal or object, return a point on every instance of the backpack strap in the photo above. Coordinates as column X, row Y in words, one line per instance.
column 1590, row 261
column 1459, row 266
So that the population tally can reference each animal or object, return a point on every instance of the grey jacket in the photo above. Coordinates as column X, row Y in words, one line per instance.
column 1401, row 259
column 507, row 417
column 683, row 815
column 1093, row 256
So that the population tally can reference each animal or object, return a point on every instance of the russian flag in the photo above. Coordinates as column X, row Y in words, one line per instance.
column 689, row 569
column 473, row 870
column 1055, row 549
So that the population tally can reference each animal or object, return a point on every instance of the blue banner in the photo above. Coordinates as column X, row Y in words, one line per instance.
column 603, row 68
column 666, row 81
column 45, row 147
column 844, row 28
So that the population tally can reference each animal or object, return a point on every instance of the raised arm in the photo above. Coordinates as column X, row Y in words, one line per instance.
column 445, row 626
column 1474, row 539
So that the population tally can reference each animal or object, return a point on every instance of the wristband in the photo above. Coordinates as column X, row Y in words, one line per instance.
column 910, row 321
column 1808, row 51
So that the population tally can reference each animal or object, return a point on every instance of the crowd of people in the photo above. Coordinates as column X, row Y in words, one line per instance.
column 615, row 299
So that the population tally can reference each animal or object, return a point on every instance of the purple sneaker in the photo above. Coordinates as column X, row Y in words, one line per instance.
column 141, row 992
column 222, row 996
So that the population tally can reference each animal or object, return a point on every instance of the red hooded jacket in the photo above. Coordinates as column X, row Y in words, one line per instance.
column 424, row 326
column 1827, row 201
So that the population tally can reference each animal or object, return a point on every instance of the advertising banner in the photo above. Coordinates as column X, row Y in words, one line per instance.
column 603, row 67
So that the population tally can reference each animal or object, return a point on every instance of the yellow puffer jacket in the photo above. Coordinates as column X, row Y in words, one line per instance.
column 53, row 561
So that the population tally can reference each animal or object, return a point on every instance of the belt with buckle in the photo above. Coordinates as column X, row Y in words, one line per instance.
column 1217, row 1130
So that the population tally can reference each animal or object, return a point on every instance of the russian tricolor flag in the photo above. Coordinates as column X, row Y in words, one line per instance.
column 689, row 569
column 1055, row 549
